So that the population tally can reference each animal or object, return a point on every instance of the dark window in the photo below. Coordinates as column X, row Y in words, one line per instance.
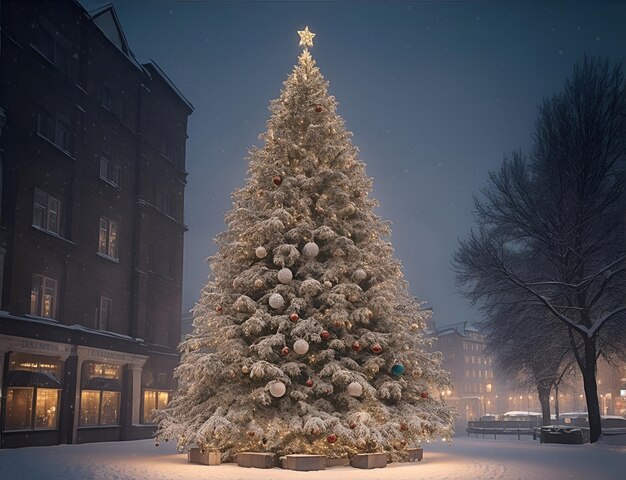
column 55, row 128
column 52, row 45
column 62, row 132
column 47, row 212
column 45, row 124
column 104, row 314
column 151, row 260
column 164, row 201
column 109, row 170
column 107, row 96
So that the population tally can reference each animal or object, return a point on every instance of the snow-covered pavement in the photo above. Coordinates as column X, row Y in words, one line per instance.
column 467, row 458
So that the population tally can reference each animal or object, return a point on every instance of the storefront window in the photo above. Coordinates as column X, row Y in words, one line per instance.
column 153, row 400
column 110, row 411
column 46, row 408
column 100, row 395
column 19, row 408
column 89, row 407
column 33, row 392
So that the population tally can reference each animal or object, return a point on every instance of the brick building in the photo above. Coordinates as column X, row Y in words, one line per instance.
column 479, row 390
column 475, row 391
column 92, row 163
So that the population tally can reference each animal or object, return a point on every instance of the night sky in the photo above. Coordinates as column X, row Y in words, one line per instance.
column 435, row 93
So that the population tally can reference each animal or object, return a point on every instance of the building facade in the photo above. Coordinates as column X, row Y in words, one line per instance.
column 92, row 166
column 476, row 391
column 479, row 390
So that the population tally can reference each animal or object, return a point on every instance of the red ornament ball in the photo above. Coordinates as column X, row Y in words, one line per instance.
column 325, row 335
column 251, row 433
column 356, row 346
column 294, row 317
column 424, row 394
column 376, row 348
column 285, row 351
column 309, row 383
column 332, row 438
column 219, row 309
column 277, row 180
column 404, row 426
column 403, row 443
column 353, row 426
column 318, row 108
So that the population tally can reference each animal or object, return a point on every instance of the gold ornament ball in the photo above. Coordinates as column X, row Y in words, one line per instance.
column 258, row 283
column 245, row 370
column 361, row 444
column 415, row 327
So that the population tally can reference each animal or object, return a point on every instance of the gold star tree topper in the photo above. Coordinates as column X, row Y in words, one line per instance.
column 306, row 37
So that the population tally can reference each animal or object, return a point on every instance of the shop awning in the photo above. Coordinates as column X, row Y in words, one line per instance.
column 28, row 378
column 102, row 383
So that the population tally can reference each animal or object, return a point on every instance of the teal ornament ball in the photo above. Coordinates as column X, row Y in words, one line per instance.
column 397, row 369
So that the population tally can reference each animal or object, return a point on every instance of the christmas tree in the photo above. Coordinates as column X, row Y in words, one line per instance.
column 306, row 339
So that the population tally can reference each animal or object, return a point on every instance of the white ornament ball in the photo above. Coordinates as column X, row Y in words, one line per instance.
column 328, row 284
column 277, row 389
column 310, row 250
column 276, row 300
column 284, row 275
column 301, row 347
column 355, row 389
column 261, row 252
column 360, row 275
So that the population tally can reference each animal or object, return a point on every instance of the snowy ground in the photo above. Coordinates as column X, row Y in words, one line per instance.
column 467, row 458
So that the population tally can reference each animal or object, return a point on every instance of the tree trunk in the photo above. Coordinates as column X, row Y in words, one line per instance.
column 557, row 406
column 588, row 371
column 544, row 399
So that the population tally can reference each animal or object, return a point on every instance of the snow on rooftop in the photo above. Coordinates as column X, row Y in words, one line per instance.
column 467, row 458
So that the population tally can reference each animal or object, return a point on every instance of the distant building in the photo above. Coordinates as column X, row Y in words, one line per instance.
column 478, row 389
column 92, row 162
column 475, row 391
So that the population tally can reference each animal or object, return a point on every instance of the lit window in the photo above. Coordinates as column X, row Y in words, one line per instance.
column 153, row 400
column 43, row 296
column 47, row 212
column 46, row 408
column 100, row 394
column 107, row 240
column 110, row 408
column 104, row 316
column 109, row 170
column 19, row 408
column 33, row 388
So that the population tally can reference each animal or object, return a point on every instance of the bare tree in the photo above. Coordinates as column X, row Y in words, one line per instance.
column 535, row 357
column 564, row 208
